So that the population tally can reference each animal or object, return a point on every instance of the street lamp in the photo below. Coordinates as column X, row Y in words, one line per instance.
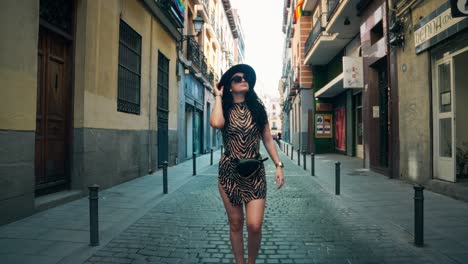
column 198, row 24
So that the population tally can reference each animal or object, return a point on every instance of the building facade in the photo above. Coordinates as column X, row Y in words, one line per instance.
column 297, row 78
column 346, row 50
column 273, row 109
column 430, row 45
column 91, row 97
column 239, row 42
column 203, row 57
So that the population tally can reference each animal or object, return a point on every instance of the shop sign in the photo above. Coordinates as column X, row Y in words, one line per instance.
column 436, row 27
column 323, row 125
column 353, row 76
column 323, row 107
column 459, row 8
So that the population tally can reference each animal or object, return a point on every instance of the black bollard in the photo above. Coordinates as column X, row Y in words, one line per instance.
column 304, row 159
column 292, row 152
column 418, row 216
column 93, row 215
column 337, row 178
column 298, row 157
column 312, row 164
column 287, row 150
column 211, row 157
column 165, row 177
column 194, row 163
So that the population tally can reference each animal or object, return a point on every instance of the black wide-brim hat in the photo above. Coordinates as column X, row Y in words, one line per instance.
column 247, row 70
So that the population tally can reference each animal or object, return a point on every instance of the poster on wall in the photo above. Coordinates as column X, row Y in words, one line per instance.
column 323, row 125
column 340, row 131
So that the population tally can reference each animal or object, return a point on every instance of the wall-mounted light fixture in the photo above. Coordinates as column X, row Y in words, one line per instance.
column 347, row 22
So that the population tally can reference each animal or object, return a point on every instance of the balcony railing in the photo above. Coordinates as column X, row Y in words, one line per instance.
column 211, row 75
column 313, row 36
column 331, row 5
column 193, row 51
column 198, row 59
column 172, row 11
column 204, row 65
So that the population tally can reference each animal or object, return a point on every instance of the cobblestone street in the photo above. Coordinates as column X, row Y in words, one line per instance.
column 303, row 224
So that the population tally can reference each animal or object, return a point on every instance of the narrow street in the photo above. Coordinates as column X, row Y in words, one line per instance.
column 304, row 223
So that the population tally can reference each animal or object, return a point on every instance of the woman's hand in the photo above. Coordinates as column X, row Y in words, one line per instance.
column 218, row 91
column 279, row 178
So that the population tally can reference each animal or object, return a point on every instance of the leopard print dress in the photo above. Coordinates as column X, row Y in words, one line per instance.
column 241, row 140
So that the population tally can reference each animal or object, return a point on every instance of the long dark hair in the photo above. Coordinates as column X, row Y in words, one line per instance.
column 255, row 105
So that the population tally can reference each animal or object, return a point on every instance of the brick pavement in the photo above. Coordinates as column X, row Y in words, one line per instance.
column 304, row 223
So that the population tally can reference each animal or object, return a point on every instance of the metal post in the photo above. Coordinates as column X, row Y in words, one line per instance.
column 292, row 152
column 418, row 216
column 312, row 164
column 337, row 178
column 298, row 157
column 194, row 163
column 287, row 150
column 211, row 157
column 304, row 159
column 165, row 177
column 93, row 215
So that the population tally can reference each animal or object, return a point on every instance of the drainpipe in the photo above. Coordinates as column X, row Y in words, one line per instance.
column 150, row 170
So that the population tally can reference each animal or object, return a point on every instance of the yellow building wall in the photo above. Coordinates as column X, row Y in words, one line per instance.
column 414, row 89
column 96, row 69
column 18, row 64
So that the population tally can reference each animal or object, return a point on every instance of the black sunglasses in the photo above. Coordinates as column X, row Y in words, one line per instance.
column 238, row 79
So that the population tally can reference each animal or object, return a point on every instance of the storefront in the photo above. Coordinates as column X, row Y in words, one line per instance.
column 194, row 112
column 336, row 115
column 433, row 72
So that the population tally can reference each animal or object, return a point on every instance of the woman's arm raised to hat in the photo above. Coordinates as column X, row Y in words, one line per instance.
column 217, row 117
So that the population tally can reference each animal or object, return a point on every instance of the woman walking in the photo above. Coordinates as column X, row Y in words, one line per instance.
column 242, row 118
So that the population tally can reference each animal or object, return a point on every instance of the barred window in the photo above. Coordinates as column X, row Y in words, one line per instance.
column 129, row 70
column 163, row 82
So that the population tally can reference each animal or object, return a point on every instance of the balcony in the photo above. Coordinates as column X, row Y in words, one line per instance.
column 210, row 75
column 342, row 18
column 331, row 6
column 204, row 65
column 309, row 5
column 173, row 11
column 193, row 51
column 198, row 59
column 313, row 36
column 322, row 46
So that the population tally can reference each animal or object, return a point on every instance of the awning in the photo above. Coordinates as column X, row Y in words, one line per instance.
column 331, row 89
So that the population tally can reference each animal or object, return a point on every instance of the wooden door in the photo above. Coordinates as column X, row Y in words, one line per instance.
column 53, row 112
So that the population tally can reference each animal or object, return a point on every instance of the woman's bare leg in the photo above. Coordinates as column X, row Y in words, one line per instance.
column 254, row 210
column 236, row 224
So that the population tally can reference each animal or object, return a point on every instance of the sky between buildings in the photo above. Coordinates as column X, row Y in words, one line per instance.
column 262, row 21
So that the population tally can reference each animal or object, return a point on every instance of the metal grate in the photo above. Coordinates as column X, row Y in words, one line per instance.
column 129, row 78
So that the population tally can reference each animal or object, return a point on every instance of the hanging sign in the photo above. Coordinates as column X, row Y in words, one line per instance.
column 353, row 76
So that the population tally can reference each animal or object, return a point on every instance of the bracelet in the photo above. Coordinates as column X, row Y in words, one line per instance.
column 218, row 95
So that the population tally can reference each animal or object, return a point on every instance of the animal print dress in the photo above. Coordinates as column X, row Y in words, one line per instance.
column 241, row 140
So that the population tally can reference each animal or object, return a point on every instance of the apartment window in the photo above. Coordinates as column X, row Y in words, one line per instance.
column 129, row 70
column 163, row 82
column 377, row 32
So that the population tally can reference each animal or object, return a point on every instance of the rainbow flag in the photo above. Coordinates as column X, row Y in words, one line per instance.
column 298, row 10
column 180, row 7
